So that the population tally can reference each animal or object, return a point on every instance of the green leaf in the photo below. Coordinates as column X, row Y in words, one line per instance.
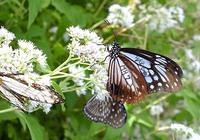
column 112, row 133
column 77, row 15
column 33, row 125
column 34, row 128
column 21, row 119
column 56, row 86
column 140, row 120
column 192, row 104
column 61, row 5
column 35, row 31
column 35, row 6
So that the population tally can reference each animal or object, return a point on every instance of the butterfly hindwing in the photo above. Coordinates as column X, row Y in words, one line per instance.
column 104, row 109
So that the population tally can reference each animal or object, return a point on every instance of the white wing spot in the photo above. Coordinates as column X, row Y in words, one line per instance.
column 148, row 79
column 159, row 84
column 155, row 77
column 175, row 84
column 167, row 85
column 151, row 86
column 158, row 56
column 152, row 72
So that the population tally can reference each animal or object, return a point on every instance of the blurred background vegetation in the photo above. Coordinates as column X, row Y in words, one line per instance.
column 35, row 20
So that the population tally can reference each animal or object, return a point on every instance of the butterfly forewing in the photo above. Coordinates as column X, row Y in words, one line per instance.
column 128, row 86
column 106, row 110
column 18, row 91
column 160, row 72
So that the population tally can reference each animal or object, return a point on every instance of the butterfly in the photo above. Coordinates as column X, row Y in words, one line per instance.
column 133, row 74
column 18, row 92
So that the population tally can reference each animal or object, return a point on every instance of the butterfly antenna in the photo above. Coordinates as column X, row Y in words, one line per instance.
column 108, row 23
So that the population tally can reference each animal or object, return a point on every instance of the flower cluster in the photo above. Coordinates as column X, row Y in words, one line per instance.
column 86, row 45
column 185, row 132
column 161, row 17
column 22, row 61
column 120, row 15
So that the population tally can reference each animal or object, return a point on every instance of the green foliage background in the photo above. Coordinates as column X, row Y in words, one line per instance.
column 32, row 19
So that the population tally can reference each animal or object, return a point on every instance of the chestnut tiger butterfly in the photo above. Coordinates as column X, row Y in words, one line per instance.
column 18, row 92
column 132, row 74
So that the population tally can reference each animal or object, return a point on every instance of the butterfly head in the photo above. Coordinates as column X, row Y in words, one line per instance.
column 114, row 49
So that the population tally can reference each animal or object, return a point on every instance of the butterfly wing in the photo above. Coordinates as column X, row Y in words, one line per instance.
column 18, row 92
column 160, row 72
column 106, row 110
column 125, row 82
column 13, row 98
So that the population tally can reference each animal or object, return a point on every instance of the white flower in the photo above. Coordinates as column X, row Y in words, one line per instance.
column 85, row 36
column 100, row 78
column 192, row 62
column 33, row 104
column 46, row 107
column 156, row 110
column 162, row 18
column 81, row 91
column 120, row 15
column 5, row 36
column 36, row 78
column 182, row 129
column 53, row 29
column 196, row 37
column 22, row 59
column 78, row 71
column 37, row 55
column 66, row 37
column 86, row 45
